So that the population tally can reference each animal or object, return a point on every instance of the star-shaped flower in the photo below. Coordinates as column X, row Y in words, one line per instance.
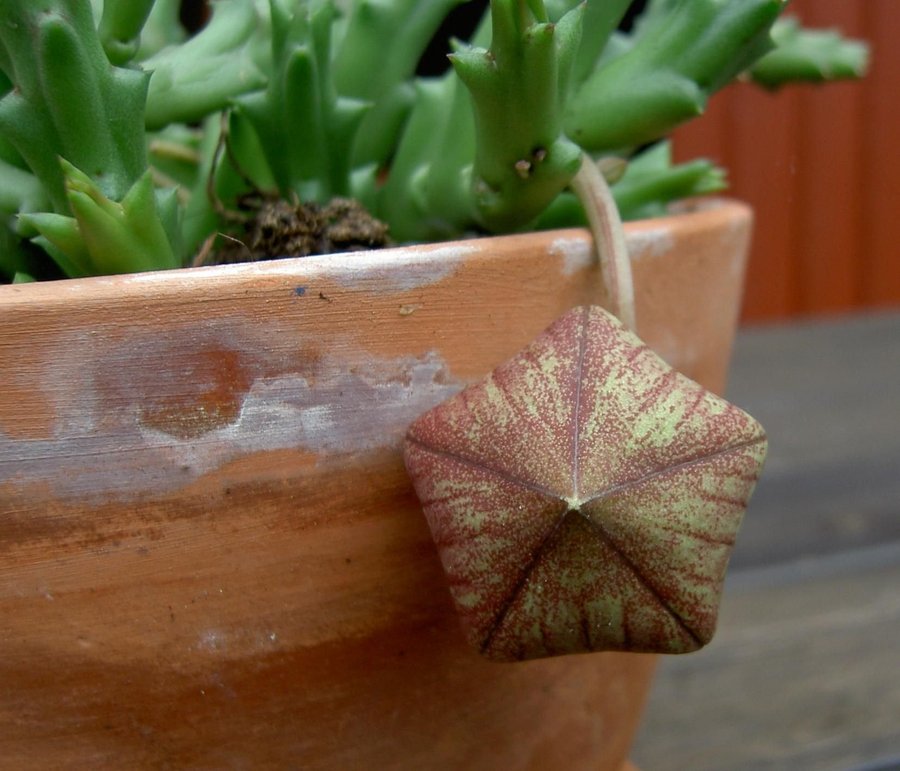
column 585, row 496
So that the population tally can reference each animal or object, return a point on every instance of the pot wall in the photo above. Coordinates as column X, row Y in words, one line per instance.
column 211, row 554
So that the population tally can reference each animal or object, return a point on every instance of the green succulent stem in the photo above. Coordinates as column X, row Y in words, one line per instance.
column 602, row 213
column 379, row 131
column 69, row 101
column 518, row 88
column 306, row 129
column 402, row 200
column 313, row 99
column 162, row 28
column 428, row 192
column 364, row 66
column 20, row 190
column 600, row 21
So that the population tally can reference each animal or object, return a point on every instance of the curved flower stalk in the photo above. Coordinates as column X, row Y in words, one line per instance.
column 650, row 181
column 602, row 214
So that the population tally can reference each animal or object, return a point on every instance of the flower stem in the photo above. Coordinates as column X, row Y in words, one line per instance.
column 603, row 217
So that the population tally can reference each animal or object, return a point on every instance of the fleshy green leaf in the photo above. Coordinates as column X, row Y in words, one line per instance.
column 120, row 237
column 60, row 238
column 120, row 28
column 684, row 50
column 68, row 101
column 809, row 55
column 201, row 76
column 106, row 236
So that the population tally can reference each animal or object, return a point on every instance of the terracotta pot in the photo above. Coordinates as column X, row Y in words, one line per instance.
column 211, row 554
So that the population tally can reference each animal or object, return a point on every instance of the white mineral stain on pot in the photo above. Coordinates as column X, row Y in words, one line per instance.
column 577, row 254
column 399, row 270
column 298, row 267
column 211, row 640
column 649, row 242
column 674, row 351
column 349, row 401
column 348, row 409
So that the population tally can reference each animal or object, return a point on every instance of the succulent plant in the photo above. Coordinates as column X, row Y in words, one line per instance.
column 125, row 143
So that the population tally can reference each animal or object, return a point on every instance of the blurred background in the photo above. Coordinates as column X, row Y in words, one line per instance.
column 804, row 672
column 821, row 167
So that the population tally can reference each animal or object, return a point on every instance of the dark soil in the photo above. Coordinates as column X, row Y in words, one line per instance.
column 275, row 229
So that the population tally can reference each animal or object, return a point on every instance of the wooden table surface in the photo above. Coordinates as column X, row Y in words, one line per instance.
column 804, row 672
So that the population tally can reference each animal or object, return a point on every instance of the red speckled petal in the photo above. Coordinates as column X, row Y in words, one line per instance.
column 487, row 528
column 520, row 418
column 676, row 529
column 582, row 596
column 638, row 415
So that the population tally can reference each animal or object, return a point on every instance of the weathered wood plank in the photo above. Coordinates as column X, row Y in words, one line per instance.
column 803, row 672
column 827, row 393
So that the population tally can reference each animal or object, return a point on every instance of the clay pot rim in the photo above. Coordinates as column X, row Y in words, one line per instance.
column 686, row 218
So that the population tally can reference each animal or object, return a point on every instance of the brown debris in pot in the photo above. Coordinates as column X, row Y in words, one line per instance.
column 275, row 229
